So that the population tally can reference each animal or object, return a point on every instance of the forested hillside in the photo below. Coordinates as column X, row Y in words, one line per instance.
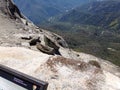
column 41, row 10
column 105, row 14
column 93, row 28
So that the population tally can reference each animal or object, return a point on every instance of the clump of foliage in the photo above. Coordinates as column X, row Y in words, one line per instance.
column 94, row 63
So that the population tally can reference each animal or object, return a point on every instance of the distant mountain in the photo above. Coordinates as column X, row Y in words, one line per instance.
column 40, row 10
column 92, row 28
column 101, row 13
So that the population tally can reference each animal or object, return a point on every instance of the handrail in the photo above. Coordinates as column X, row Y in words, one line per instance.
column 21, row 79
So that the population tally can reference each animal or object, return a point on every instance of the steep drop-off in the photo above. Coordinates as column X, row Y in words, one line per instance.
column 66, row 70
column 95, row 29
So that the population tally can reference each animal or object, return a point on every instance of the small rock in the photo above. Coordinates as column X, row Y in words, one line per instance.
column 26, row 37
column 34, row 41
column 54, row 77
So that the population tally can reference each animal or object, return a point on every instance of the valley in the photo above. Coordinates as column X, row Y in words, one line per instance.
column 39, row 11
column 90, row 27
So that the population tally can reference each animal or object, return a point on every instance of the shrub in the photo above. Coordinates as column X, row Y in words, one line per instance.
column 94, row 63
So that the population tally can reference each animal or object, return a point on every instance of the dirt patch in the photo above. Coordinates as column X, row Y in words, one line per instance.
column 74, row 64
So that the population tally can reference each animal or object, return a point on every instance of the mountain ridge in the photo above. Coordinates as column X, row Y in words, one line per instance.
column 102, row 12
column 44, row 10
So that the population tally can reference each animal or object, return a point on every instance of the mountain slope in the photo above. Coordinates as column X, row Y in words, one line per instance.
column 92, row 28
column 40, row 10
column 102, row 13
column 68, row 71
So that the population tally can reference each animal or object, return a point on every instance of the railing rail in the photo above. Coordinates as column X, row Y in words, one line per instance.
column 18, row 79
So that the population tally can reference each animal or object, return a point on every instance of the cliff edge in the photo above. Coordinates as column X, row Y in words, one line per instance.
column 46, row 56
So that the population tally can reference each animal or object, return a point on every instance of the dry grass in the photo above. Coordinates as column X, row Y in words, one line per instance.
column 77, row 65
column 94, row 63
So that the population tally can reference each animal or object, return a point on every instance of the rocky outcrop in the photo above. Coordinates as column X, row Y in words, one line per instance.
column 29, row 33
column 61, row 73
column 46, row 56
column 13, row 9
column 45, row 49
